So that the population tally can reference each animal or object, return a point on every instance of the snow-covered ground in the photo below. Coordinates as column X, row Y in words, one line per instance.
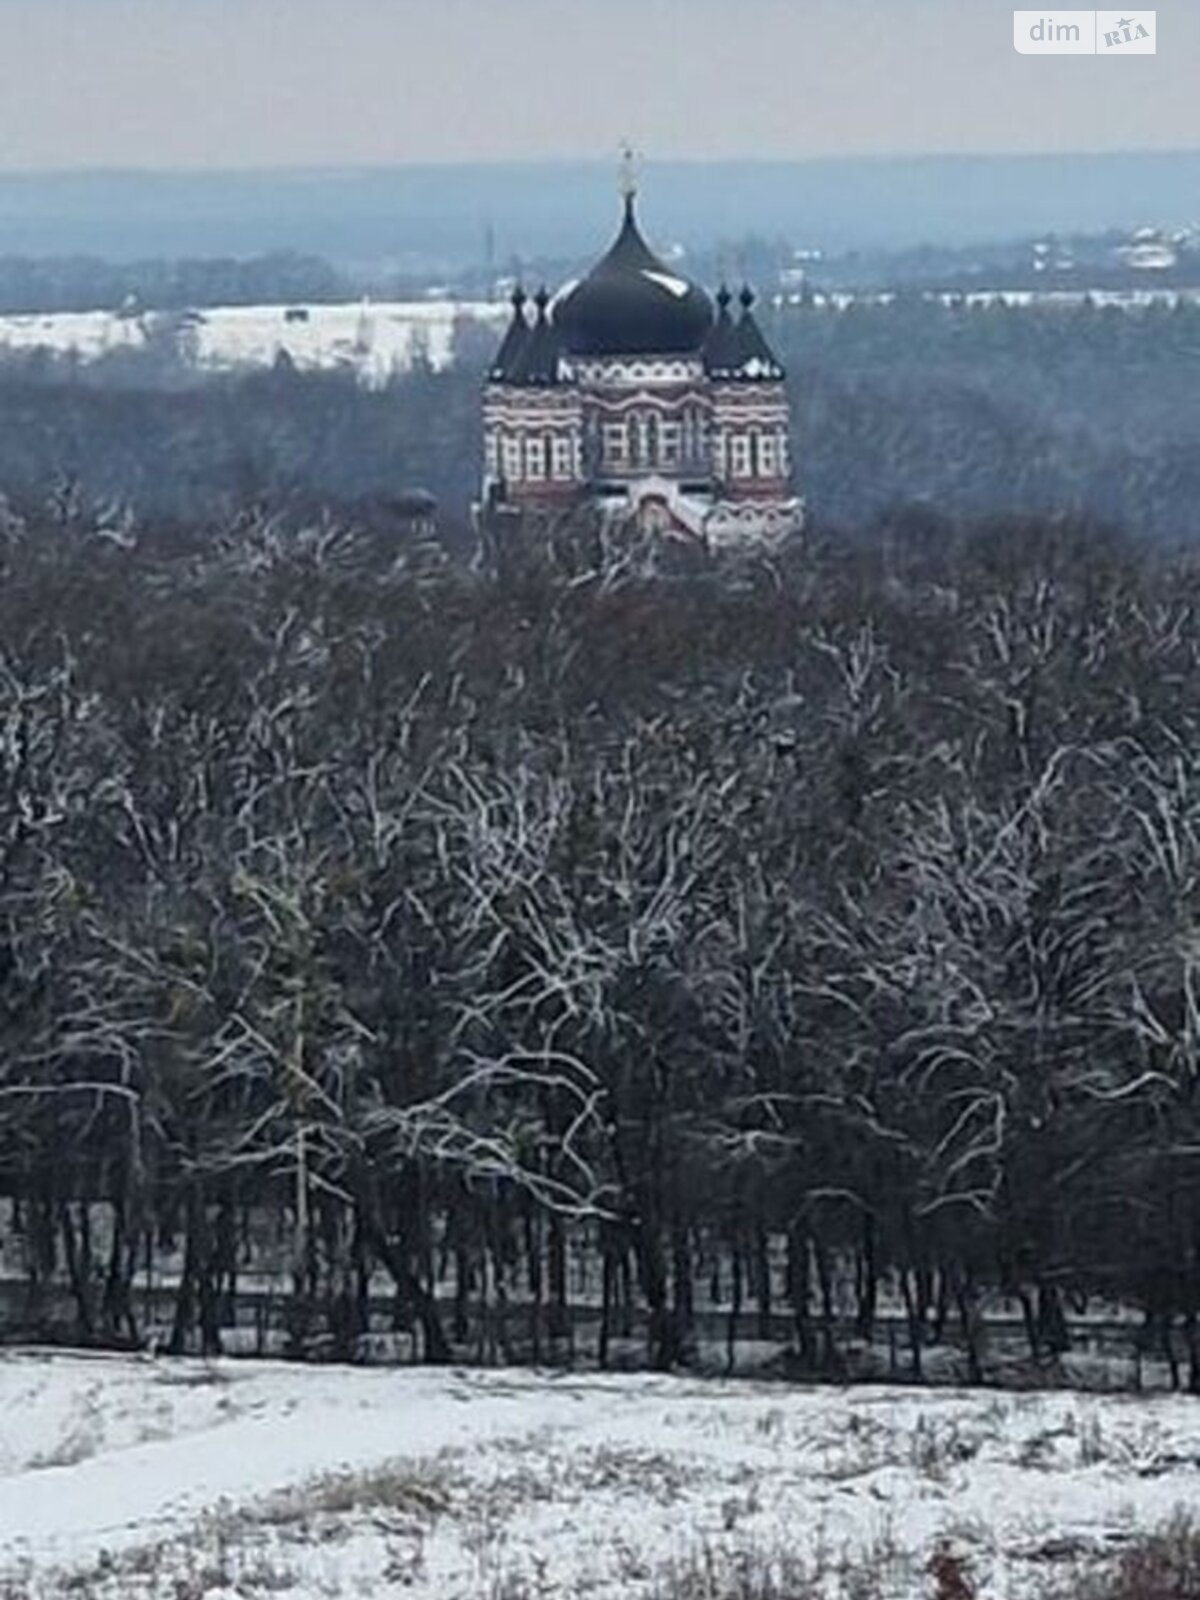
column 373, row 340
column 1131, row 300
column 378, row 340
column 127, row 1477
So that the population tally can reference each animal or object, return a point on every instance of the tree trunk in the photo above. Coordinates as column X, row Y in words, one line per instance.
column 971, row 1325
column 1052, row 1323
column 682, row 1303
column 735, row 1308
column 798, row 1276
column 117, row 1305
column 867, row 1284
column 830, row 1360
column 559, row 1326
column 762, row 1281
column 914, row 1313
column 608, row 1280
column 663, row 1344
column 436, row 1350
column 533, row 1269
column 1191, row 1336
column 77, row 1252
column 189, row 1278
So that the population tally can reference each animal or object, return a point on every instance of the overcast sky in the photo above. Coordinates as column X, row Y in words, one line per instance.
column 229, row 83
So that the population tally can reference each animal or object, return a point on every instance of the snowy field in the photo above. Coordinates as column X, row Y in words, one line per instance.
column 1130, row 300
column 127, row 1477
column 377, row 341
column 374, row 341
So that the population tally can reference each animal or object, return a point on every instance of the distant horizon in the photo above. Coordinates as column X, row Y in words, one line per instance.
column 432, row 215
column 648, row 164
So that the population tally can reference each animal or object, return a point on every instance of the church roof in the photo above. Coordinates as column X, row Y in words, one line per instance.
column 721, row 346
column 631, row 303
column 536, row 364
column 738, row 351
column 755, row 358
column 514, row 341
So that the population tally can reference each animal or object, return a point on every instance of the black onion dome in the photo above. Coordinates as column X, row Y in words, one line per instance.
column 631, row 303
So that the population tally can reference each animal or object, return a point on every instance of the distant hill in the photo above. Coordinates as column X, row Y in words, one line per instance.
column 430, row 218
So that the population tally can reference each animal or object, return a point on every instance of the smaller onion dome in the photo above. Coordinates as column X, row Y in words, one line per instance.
column 721, row 346
column 537, row 364
column 756, row 361
column 515, row 339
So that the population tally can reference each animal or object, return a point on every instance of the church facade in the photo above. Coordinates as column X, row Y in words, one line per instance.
column 631, row 393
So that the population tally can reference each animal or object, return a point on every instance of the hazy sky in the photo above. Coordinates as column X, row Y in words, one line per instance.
column 317, row 82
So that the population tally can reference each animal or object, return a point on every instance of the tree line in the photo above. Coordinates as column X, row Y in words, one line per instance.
column 975, row 411
column 839, row 911
column 30, row 285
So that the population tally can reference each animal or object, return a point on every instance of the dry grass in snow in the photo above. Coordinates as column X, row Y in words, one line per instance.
column 125, row 1478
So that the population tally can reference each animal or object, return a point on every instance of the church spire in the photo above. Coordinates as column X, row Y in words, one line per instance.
column 628, row 178
column 509, row 355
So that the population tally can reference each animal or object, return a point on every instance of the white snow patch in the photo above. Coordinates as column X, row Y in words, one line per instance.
column 373, row 340
column 125, row 1473
column 666, row 280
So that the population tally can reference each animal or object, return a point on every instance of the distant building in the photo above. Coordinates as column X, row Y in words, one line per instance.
column 631, row 395
column 1052, row 257
column 1149, row 250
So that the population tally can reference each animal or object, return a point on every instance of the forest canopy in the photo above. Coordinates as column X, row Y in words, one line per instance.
column 845, row 915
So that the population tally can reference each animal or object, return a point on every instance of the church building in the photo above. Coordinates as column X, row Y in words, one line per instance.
column 631, row 393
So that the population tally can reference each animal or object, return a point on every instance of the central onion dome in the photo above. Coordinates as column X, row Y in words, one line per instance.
column 632, row 304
